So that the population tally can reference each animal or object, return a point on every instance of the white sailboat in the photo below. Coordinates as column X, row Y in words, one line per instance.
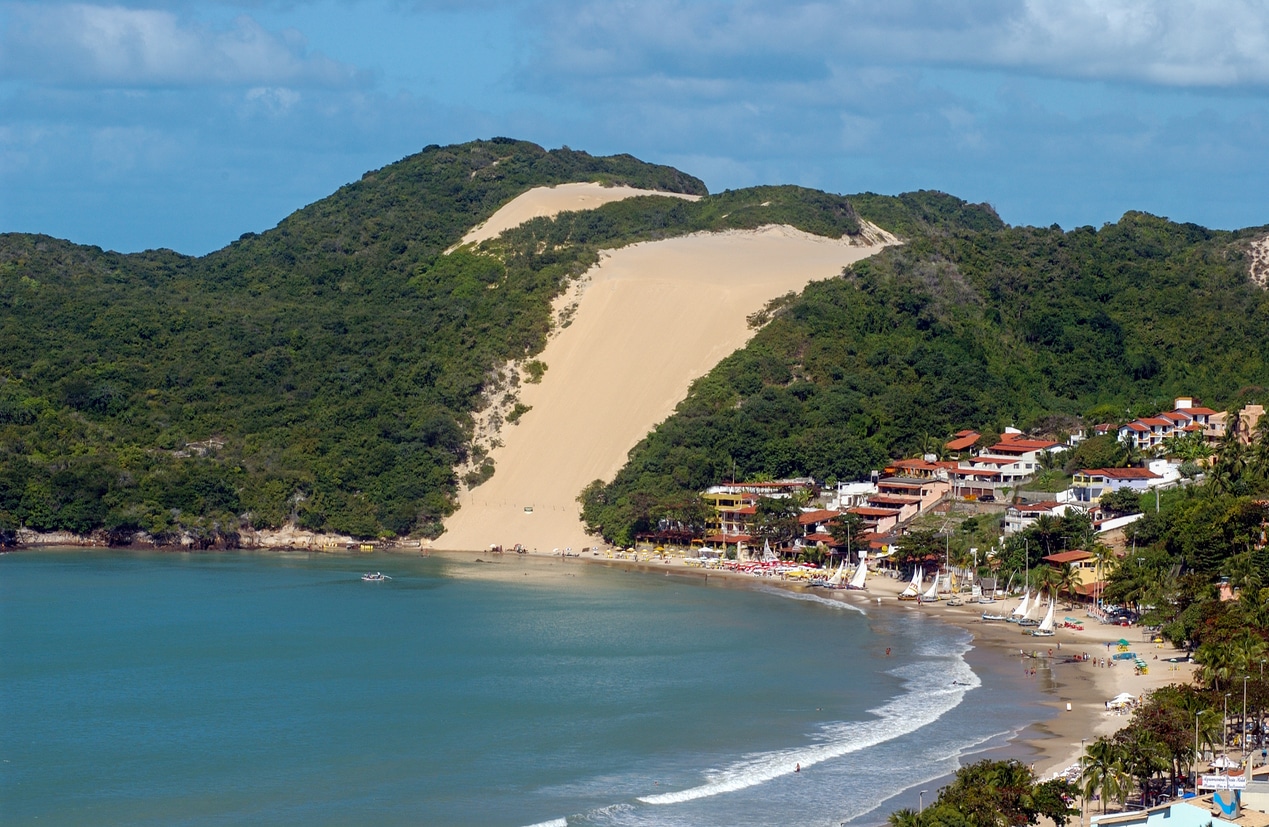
column 1021, row 611
column 1045, row 629
column 913, row 589
column 835, row 582
column 860, row 575
column 768, row 556
column 932, row 594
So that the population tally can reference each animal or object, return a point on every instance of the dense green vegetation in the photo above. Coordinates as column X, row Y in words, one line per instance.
column 993, row 794
column 323, row 372
column 970, row 324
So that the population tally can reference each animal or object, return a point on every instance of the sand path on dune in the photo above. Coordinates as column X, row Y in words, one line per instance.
column 546, row 201
column 652, row 318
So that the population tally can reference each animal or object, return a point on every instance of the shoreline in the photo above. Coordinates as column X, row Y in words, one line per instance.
column 1072, row 695
column 1052, row 742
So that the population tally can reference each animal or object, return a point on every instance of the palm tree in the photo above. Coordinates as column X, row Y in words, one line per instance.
column 1217, row 663
column 1051, row 581
column 1102, row 772
column 907, row 817
column 1103, row 558
column 1258, row 455
column 1142, row 754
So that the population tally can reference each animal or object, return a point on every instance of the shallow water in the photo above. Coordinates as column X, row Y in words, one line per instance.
column 267, row 688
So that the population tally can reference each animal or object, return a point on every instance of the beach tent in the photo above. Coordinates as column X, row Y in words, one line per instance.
column 1223, row 762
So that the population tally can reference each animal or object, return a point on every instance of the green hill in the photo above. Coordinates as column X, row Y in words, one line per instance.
column 323, row 371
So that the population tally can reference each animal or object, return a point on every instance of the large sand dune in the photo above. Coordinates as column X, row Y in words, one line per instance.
column 545, row 201
column 652, row 318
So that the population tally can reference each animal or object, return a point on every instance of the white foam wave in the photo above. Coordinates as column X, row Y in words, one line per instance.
column 555, row 822
column 922, row 705
column 813, row 598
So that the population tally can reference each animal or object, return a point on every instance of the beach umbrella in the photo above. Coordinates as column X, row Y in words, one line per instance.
column 1123, row 642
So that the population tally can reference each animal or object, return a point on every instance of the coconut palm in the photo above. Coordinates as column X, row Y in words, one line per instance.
column 907, row 817
column 1104, row 559
column 1102, row 773
column 1218, row 663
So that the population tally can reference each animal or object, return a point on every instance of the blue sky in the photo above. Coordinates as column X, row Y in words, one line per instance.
column 185, row 123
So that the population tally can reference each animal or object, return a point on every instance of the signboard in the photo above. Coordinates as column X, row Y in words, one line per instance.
column 1223, row 782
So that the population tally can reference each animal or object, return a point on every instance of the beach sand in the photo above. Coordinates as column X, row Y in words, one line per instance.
column 1084, row 686
column 652, row 318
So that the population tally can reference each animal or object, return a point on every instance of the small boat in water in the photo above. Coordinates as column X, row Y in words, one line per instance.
column 375, row 577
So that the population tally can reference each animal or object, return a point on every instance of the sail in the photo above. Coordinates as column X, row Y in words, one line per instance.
column 861, row 574
column 836, row 579
column 767, row 555
column 1046, row 625
column 932, row 593
column 1021, row 611
column 913, row 588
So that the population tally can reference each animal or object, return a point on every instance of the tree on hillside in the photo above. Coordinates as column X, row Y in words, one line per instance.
column 917, row 546
column 1096, row 452
column 849, row 530
column 1125, row 501
column 775, row 520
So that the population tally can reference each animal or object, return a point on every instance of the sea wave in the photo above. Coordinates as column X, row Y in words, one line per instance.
column 555, row 822
column 812, row 598
column 924, row 702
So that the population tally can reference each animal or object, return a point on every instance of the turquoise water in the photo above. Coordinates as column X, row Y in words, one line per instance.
column 233, row 688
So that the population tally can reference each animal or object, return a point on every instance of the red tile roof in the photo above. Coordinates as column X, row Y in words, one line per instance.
column 1063, row 557
column 1012, row 442
column 1136, row 426
column 812, row 517
column 963, row 442
column 1123, row 473
column 1201, row 411
column 894, row 499
column 865, row 511
column 1030, row 508
column 918, row 464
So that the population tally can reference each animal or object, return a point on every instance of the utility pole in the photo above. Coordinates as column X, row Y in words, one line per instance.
column 1083, row 802
column 1242, row 732
column 1225, row 731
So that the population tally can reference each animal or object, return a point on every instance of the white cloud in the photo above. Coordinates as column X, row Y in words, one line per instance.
column 1197, row 43
column 92, row 45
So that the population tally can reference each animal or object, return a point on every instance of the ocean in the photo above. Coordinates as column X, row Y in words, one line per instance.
column 280, row 689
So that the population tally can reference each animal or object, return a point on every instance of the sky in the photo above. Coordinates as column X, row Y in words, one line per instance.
column 186, row 123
